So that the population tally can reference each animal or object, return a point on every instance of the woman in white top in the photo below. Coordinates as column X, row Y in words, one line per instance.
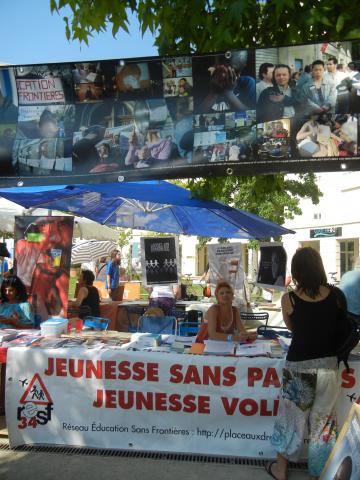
column 164, row 297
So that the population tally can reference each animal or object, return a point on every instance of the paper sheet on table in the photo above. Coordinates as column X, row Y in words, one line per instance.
column 257, row 348
column 219, row 347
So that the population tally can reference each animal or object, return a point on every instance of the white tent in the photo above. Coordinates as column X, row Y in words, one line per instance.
column 83, row 227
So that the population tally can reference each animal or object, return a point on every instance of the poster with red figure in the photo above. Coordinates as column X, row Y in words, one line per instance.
column 42, row 261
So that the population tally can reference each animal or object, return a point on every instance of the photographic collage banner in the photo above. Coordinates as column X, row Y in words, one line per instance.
column 243, row 112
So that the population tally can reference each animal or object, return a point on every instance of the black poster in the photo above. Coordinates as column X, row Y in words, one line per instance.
column 272, row 266
column 160, row 260
column 241, row 112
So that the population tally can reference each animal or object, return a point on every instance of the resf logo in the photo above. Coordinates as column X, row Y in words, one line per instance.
column 37, row 405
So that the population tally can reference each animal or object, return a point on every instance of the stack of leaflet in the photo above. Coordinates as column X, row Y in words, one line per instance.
column 7, row 334
column 142, row 341
column 218, row 347
column 24, row 338
column 258, row 348
column 284, row 342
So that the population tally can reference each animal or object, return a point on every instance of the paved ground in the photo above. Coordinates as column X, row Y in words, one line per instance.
column 31, row 465
column 50, row 466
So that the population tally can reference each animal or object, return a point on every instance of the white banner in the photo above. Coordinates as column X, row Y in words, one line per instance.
column 147, row 401
column 32, row 91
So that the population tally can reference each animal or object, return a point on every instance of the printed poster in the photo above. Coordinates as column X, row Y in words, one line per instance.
column 344, row 461
column 42, row 261
column 225, row 263
column 160, row 260
column 272, row 266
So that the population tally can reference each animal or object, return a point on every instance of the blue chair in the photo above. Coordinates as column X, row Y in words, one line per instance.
column 157, row 325
column 185, row 328
column 96, row 323
column 134, row 310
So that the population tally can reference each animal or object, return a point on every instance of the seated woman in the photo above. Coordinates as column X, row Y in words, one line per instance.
column 88, row 299
column 223, row 320
column 15, row 310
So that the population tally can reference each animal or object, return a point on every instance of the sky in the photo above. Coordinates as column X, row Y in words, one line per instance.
column 30, row 34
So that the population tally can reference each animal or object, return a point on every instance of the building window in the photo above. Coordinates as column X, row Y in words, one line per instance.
column 317, row 216
column 347, row 254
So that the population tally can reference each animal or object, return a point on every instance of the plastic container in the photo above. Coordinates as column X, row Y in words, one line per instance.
column 54, row 327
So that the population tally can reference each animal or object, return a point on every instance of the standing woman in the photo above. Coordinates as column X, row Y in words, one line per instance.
column 15, row 310
column 310, row 377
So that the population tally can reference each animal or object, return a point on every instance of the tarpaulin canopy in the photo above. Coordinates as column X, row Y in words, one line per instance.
column 83, row 227
column 154, row 205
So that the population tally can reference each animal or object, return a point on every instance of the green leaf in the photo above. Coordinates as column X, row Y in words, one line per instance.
column 53, row 6
column 340, row 23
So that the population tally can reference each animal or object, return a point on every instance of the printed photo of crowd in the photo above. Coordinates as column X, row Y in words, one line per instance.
column 317, row 89
column 159, row 115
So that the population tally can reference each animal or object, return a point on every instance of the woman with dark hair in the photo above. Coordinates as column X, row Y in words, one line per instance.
column 310, row 377
column 15, row 310
column 88, row 299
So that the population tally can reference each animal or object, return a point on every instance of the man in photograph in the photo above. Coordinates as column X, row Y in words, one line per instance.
column 265, row 75
column 332, row 73
column 319, row 94
column 229, row 88
column 279, row 100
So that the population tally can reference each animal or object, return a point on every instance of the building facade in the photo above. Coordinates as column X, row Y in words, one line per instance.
column 333, row 226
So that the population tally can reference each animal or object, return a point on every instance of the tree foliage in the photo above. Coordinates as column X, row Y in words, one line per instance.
column 182, row 26
column 201, row 26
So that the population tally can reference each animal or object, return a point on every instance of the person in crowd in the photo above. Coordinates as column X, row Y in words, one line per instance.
column 113, row 274
column 164, row 297
column 279, row 100
column 295, row 77
column 88, row 298
column 318, row 95
column 183, row 128
column 352, row 69
column 184, row 88
column 332, row 73
column 310, row 376
column 4, row 268
column 107, row 162
column 350, row 286
column 305, row 76
column 265, row 75
column 15, row 310
column 223, row 321
column 155, row 148
column 228, row 88
column 48, row 124
column 344, row 136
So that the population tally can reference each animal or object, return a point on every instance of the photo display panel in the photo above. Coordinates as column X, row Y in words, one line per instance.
column 241, row 112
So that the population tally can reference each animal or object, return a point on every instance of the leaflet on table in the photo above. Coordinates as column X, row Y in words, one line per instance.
column 219, row 347
column 187, row 341
column 284, row 343
column 7, row 334
column 254, row 349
